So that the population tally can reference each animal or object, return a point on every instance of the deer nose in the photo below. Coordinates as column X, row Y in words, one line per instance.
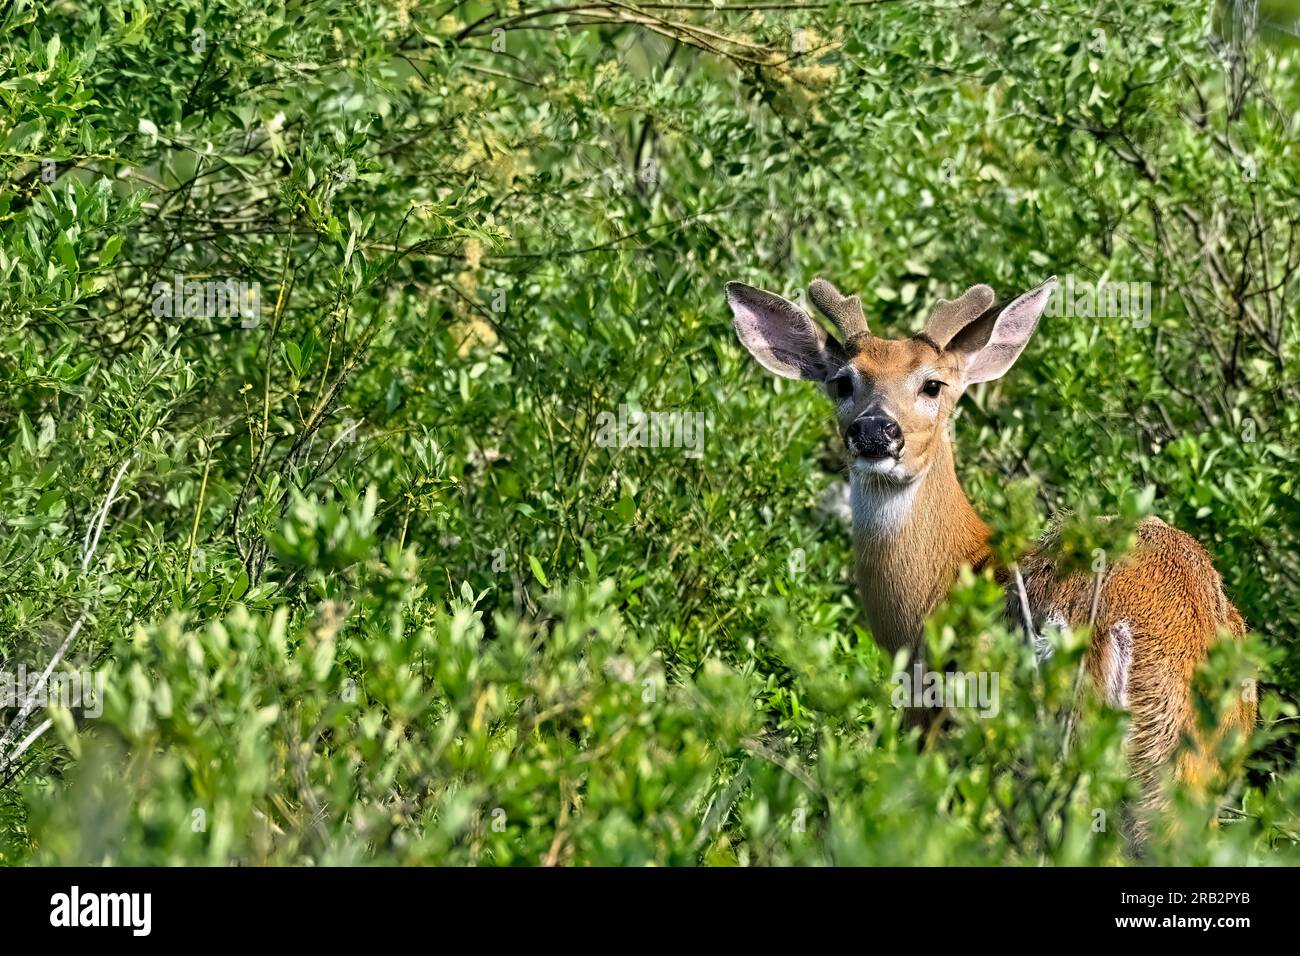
column 874, row 436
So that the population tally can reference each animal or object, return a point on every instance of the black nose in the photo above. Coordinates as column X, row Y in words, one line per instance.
column 874, row 436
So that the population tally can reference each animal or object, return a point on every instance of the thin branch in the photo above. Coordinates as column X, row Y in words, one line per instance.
column 1026, row 618
column 89, row 550
column 29, row 705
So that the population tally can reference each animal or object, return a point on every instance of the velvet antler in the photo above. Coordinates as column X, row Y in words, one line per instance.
column 845, row 312
column 950, row 316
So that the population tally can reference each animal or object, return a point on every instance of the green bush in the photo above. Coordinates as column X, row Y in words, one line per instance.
column 364, row 578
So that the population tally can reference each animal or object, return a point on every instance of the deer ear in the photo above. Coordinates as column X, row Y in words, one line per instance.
column 992, row 343
column 781, row 335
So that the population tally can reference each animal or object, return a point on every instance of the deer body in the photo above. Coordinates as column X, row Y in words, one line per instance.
column 909, row 545
column 1158, row 610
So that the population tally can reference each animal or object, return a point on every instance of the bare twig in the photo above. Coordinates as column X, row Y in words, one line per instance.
column 29, row 705
column 1026, row 618
column 90, row 545
column 29, row 740
column 1078, row 676
column 88, row 550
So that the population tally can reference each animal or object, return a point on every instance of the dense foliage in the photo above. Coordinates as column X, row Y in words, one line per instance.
column 363, row 577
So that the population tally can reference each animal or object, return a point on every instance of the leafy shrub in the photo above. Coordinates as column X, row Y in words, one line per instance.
column 364, row 580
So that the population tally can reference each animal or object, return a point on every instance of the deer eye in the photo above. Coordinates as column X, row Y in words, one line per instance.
column 931, row 388
column 841, row 386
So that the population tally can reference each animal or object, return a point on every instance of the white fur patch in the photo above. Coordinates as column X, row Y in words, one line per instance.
column 835, row 503
column 1042, row 640
column 1116, row 657
column 880, row 510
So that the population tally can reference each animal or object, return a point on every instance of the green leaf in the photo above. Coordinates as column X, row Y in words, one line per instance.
column 538, row 573
column 109, row 252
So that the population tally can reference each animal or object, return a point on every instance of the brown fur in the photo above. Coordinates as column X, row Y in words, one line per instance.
column 1167, row 590
column 902, row 577
column 1159, row 609
column 1168, row 593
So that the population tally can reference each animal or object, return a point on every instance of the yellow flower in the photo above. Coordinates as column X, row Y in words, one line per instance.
column 606, row 71
column 817, row 76
column 473, row 254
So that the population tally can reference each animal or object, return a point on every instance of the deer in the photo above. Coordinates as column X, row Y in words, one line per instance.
column 1154, row 615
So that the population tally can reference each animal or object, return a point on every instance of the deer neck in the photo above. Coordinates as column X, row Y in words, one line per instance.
column 910, row 541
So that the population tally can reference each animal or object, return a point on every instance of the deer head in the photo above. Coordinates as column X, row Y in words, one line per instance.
column 893, row 397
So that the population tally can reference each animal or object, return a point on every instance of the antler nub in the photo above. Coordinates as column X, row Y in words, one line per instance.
column 846, row 313
column 950, row 316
